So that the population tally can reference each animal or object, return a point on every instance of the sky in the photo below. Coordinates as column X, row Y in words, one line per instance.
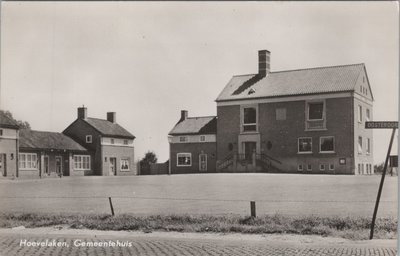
column 146, row 61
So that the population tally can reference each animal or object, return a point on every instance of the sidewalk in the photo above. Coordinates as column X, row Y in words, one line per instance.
column 60, row 241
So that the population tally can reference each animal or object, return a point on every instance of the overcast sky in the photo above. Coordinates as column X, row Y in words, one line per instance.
column 147, row 61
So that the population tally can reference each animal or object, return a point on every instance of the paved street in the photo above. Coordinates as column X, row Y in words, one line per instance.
column 77, row 242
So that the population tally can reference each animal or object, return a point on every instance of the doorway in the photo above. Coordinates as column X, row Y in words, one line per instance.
column 249, row 148
column 46, row 165
column 113, row 166
column 203, row 162
column 59, row 165
column 3, row 164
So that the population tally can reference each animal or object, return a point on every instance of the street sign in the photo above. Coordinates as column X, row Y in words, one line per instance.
column 381, row 125
column 393, row 161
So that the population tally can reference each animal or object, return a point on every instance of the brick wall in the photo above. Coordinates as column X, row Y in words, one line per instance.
column 8, row 147
column 119, row 153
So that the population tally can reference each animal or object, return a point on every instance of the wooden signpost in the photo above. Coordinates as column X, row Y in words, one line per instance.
column 381, row 125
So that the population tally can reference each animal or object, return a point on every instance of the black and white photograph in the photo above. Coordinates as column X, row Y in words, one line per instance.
column 199, row 128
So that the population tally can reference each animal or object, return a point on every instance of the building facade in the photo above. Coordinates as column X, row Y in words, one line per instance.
column 111, row 145
column 9, row 135
column 306, row 121
column 192, row 144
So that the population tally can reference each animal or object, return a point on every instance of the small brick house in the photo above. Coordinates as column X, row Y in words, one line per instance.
column 306, row 121
column 9, row 131
column 111, row 145
column 51, row 154
column 192, row 144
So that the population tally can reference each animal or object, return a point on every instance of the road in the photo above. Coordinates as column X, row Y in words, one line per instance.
column 72, row 242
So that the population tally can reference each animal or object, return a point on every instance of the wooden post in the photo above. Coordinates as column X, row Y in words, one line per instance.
column 111, row 206
column 371, row 235
column 253, row 208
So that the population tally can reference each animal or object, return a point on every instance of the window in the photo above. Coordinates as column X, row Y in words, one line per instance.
column 327, row 144
column 182, row 139
column 315, row 115
column 249, row 119
column 280, row 114
column 81, row 162
column 309, row 167
column 322, row 167
column 124, row 164
column 300, row 167
column 359, row 113
column 112, row 141
column 202, row 138
column 359, row 168
column 88, row 138
column 367, row 114
column 184, row 159
column 331, row 167
column 27, row 161
column 360, row 149
column 1, row 132
column 304, row 145
column 368, row 146
column 125, row 142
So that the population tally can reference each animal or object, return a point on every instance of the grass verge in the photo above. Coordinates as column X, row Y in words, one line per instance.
column 356, row 228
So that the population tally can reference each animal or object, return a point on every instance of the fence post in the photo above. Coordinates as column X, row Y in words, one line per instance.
column 111, row 206
column 253, row 208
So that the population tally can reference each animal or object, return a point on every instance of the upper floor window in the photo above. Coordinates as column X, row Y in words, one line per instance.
column 202, row 138
column 360, row 144
column 249, row 119
column 112, row 141
column 280, row 114
column 367, row 114
column 125, row 142
column 327, row 144
column 183, row 139
column 359, row 113
column 27, row 161
column 368, row 146
column 88, row 138
column 315, row 115
column 1, row 132
column 305, row 145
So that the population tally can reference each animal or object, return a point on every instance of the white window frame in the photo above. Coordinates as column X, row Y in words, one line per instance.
column 367, row 114
column 33, row 162
column 309, row 167
column 298, row 146
column 300, row 167
column 320, row 144
column 360, row 113
column 82, row 162
column 125, row 160
column 200, row 161
column 183, row 155
column 309, row 121
column 368, row 146
column 202, row 138
column 360, row 146
column 242, row 124
column 126, row 142
column 183, row 139
column 322, row 167
column 89, row 139
column 331, row 167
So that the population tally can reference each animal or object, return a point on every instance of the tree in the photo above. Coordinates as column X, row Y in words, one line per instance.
column 149, row 158
column 21, row 124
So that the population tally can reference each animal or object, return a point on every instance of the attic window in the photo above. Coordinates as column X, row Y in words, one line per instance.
column 251, row 91
column 88, row 138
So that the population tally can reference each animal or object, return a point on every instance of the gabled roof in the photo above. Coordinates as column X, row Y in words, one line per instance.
column 195, row 125
column 293, row 82
column 107, row 128
column 7, row 122
column 30, row 139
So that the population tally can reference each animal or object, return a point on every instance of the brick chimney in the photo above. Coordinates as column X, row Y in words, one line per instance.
column 112, row 117
column 184, row 115
column 82, row 112
column 264, row 62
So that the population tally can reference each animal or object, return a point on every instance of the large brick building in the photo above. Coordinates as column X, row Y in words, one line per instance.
column 111, row 145
column 306, row 120
column 192, row 144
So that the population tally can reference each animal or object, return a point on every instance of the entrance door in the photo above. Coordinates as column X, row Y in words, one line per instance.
column 113, row 166
column 46, row 165
column 249, row 148
column 203, row 162
column 59, row 165
column 3, row 164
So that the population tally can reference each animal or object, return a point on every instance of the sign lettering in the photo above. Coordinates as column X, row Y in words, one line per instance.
column 381, row 125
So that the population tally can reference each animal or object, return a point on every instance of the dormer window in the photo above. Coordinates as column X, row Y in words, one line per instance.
column 88, row 138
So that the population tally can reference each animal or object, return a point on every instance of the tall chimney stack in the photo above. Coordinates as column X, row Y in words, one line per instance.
column 184, row 115
column 82, row 112
column 112, row 117
column 264, row 67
